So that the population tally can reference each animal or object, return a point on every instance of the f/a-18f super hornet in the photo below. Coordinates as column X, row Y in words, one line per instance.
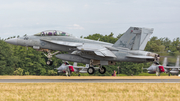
column 68, row 69
column 128, row 48
column 171, row 70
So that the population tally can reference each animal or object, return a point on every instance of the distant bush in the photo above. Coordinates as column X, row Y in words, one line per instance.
column 19, row 71
column 26, row 73
column 52, row 72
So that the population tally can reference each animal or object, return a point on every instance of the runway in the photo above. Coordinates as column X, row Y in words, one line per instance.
column 90, row 80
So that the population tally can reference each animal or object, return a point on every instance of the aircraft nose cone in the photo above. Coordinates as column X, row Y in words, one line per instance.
column 12, row 41
column 149, row 69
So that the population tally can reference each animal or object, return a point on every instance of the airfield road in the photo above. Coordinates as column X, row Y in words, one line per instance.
column 90, row 77
column 90, row 80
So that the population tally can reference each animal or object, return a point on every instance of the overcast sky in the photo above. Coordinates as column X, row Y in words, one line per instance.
column 85, row 17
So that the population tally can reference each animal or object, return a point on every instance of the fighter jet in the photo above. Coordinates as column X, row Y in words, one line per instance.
column 156, row 68
column 68, row 69
column 128, row 48
column 172, row 70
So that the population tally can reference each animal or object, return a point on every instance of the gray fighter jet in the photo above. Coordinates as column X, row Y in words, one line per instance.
column 129, row 48
column 171, row 70
column 68, row 69
column 155, row 69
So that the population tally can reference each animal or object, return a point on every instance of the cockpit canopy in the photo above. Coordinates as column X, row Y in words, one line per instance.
column 52, row 33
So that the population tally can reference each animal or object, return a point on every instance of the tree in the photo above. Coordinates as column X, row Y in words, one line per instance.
column 26, row 73
column 52, row 72
column 42, row 71
column 19, row 71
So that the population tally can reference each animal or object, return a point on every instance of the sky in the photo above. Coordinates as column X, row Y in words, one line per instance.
column 87, row 17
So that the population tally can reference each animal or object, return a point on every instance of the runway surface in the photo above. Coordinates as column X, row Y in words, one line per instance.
column 90, row 80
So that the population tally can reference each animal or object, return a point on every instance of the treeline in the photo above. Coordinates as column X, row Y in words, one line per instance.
column 18, row 60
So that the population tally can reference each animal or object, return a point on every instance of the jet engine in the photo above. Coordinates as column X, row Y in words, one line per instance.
column 145, row 53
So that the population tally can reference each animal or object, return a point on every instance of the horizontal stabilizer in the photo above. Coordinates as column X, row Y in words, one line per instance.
column 171, row 67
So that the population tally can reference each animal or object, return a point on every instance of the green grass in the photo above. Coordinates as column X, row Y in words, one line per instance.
column 143, row 74
column 147, row 74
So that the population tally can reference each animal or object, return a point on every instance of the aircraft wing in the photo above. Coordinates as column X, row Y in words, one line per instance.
column 171, row 67
column 104, row 53
column 64, row 43
column 97, row 49
column 100, row 51
column 139, row 57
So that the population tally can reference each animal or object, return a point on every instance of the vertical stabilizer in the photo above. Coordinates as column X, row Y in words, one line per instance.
column 165, row 62
column 134, row 38
column 74, row 64
column 87, row 65
column 177, row 62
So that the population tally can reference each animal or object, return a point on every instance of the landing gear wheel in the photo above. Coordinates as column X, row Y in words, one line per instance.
column 157, row 71
column 90, row 70
column 102, row 70
column 169, row 74
column 49, row 62
column 79, row 74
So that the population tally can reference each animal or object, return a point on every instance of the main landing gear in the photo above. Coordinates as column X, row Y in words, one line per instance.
column 101, row 70
column 49, row 56
column 91, row 69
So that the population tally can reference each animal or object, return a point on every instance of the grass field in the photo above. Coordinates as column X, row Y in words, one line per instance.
column 90, row 77
column 89, row 91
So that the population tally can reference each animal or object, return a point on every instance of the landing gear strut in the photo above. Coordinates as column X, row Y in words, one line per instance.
column 102, row 70
column 49, row 56
column 91, row 69
column 157, row 71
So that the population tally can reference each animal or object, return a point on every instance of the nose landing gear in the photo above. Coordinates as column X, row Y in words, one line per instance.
column 49, row 56
column 49, row 62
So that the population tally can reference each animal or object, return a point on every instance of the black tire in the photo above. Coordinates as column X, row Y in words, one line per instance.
column 79, row 74
column 91, row 70
column 102, row 70
column 169, row 74
column 49, row 62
